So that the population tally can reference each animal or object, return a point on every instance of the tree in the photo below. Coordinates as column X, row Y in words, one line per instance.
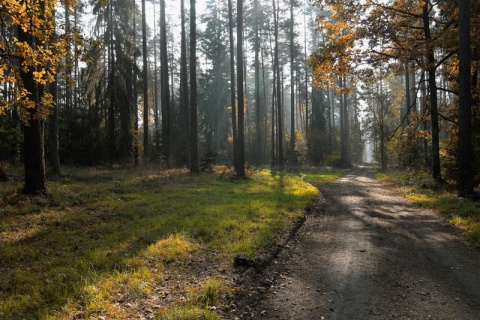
column 145, row 83
column 258, row 105
column 233, row 101
column 292, row 86
column 213, row 115
column 165, row 88
column 465, row 154
column 53, row 145
column 194, row 167
column 184, row 100
column 240, row 167
column 31, row 61
column 278, row 85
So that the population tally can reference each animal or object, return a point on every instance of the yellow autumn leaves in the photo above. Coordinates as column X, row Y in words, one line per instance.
column 39, row 52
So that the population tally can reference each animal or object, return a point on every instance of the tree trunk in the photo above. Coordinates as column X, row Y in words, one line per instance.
column 111, row 89
column 436, row 173
column 165, row 91
column 53, row 145
column 135, row 90
column 465, row 154
column 68, row 70
column 344, row 158
column 145, row 83
column 184, row 84
column 232, row 86
column 278, row 88
column 194, row 166
column 273, row 142
column 34, row 148
column 292, row 90
column 258, row 104
column 156, row 119
column 240, row 91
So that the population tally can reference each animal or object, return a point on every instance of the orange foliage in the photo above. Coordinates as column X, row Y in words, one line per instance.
column 41, row 55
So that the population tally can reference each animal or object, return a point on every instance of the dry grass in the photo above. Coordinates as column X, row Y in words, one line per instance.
column 131, row 243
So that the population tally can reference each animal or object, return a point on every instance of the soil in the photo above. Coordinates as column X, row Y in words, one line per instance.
column 364, row 252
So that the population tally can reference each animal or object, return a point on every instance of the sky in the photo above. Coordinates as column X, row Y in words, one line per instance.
column 172, row 9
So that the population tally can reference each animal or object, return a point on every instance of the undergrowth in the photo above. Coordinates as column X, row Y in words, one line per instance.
column 418, row 186
column 124, row 242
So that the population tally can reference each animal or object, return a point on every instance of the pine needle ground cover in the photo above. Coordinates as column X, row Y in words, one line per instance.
column 418, row 186
column 116, row 244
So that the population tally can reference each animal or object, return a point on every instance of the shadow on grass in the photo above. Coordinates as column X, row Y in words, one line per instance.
column 66, row 253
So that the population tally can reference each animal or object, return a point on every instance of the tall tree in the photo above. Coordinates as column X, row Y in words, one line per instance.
column 279, row 90
column 184, row 100
column 233, row 101
column 165, row 88
column 135, row 82
column 432, row 82
column 34, row 150
column 465, row 154
column 292, row 86
column 258, row 105
column 194, row 166
column 145, row 83
column 35, row 69
column 240, row 92
column 53, row 144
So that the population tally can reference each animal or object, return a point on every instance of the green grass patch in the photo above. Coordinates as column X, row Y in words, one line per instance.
column 417, row 186
column 102, row 241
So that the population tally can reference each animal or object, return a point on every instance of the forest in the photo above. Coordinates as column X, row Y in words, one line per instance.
column 280, row 83
column 128, row 99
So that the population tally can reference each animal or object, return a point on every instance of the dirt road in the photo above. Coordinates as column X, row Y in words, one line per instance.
column 367, row 253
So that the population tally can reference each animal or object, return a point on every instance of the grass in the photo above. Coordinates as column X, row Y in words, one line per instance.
column 119, row 243
column 418, row 187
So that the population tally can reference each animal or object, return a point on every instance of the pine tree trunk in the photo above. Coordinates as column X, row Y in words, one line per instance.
column 145, row 84
column 233, row 101
column 292, row 90
column 465, row 154
column 258, row 104
column 53, row 145
column 278, row 89
column 240, row 91
column 435, row 130
column 194, row 166
column 184, row 109
column 135, row 86
column 165, row 91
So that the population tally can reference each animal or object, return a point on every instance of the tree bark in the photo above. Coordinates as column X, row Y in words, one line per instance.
column 165, row 89
column 184, row 84
column 465, row 154
column 436, row 173
column 233, row 101
column 53, row 145
column 145, row 84
column 278, row 89
column 258, row 104
column 194, row 166
column 240, row 91
column 34, row 148
column 292, row 90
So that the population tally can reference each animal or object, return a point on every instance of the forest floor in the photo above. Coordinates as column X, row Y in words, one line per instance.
column 365, row 252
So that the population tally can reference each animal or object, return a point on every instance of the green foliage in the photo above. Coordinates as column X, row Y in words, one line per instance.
column 102, row 236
